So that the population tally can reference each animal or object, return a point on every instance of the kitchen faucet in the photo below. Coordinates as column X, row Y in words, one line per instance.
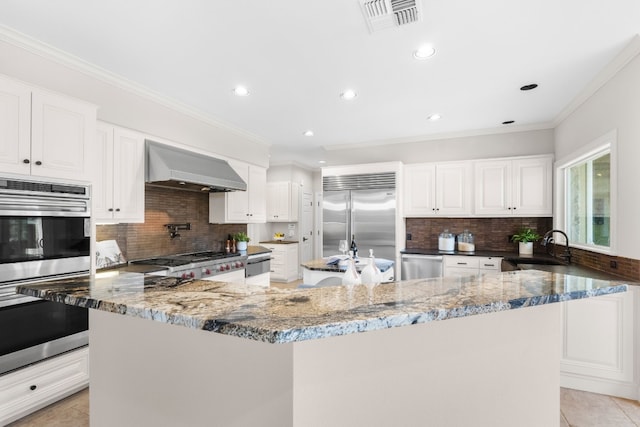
column 548, row 238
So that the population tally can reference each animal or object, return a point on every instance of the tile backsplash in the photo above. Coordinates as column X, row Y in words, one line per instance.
column 164, row 206
column 490, row 234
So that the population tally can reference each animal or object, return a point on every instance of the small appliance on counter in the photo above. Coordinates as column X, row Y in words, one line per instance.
column 465, row 242
column 446, row 241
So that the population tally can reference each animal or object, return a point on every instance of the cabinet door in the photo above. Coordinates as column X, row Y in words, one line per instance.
column 257, row 194
column 532, row 186
column 62, row 133
column 102, row 189
column 419, row 190
column 15, row 127
column 453, row 192
column 237, row 202
column 598, row 343
column 128, row 176
column 493, row 187
column 277, row 201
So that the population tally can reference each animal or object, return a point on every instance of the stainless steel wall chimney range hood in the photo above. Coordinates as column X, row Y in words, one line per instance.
column 173, row 167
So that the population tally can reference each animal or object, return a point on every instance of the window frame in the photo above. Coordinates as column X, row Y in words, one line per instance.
column 599, row 146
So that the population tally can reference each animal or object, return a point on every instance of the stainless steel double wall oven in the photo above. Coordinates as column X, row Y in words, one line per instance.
column 44, row 233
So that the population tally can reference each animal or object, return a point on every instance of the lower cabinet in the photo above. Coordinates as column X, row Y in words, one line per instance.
column 263, row 279
column 465, row 265
column 284, row 261
column 29, row 389
column 598, row 344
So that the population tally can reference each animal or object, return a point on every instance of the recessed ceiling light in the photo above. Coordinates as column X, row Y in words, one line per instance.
column 434, row 117
column 424, row 52
column 241, row 91
column 529, row 87
column 348, row 94
column 508, row 122
column 308, row 133
column 322, row 162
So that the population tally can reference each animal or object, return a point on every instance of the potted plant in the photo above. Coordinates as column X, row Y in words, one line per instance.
column 242, row 239
column 525, row 238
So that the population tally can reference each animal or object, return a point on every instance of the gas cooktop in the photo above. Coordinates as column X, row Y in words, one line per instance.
column 184, row 259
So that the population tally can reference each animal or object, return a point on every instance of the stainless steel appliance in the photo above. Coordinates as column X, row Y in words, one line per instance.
column 363, row 206
column 173, row 167
column 44, row 234
column 258, row 264
column 206, row 265
column 415, row 266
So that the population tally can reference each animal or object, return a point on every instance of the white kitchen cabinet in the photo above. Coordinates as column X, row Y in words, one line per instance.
column 599, row 343
column 520, row 186
column 118, row 184
column 284, row 261
column 36, row 386
column 283, row 201
column 44, row 133
column 443, row 189
column 468, row 265
column 241, row 207
column 263, row 280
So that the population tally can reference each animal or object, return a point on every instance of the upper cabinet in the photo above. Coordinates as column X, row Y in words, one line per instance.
column 118, row 184
column 437, row 189
column 241, row 207
column 44, row 133
column 519, row 186
column 283, row 201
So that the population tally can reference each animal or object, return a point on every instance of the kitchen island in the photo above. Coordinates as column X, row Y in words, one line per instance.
column 482, row 351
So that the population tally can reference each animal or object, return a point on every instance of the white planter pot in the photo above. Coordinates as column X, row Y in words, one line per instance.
column 525, row 248
column 242, row 246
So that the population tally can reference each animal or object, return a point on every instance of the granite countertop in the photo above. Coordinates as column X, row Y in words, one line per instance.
column 257, row 250
column 281, row 316
column 279, row 242
column 321, row 265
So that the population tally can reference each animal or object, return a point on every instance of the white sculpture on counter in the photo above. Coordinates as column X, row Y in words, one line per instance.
column 351, row 276
column 371, row 274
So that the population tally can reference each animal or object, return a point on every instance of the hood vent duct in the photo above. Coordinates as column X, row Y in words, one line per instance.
column 173, row 167
column 381, row 14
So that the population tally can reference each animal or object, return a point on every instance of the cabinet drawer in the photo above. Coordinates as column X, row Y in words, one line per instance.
column 462, row 261
column 31, row 388
column 490, row 263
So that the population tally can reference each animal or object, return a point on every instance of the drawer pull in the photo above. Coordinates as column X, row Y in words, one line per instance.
column 489, row 265
column 33, row 387
column 462, row 263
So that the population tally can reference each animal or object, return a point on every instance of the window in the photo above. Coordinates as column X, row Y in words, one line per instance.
column 588, row 201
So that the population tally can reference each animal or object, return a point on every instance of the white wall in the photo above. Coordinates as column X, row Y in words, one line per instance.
column 36, row 65
column 460, row 148
column 616, row 105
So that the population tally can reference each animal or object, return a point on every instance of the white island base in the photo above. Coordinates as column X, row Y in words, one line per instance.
column 498, row 369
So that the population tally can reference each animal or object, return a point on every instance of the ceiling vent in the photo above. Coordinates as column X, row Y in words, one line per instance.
column 381, row 14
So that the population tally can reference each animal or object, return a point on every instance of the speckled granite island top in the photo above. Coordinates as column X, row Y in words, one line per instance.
column 281, row 316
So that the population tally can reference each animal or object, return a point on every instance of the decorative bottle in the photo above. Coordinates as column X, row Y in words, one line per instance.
column 351, row 276
column 354, row 247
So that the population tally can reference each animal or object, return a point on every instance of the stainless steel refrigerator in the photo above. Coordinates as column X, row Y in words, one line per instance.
column 363, row 206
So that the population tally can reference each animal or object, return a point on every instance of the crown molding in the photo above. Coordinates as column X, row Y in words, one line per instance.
column 49, row 52
column 630, row 51
column 439, row 136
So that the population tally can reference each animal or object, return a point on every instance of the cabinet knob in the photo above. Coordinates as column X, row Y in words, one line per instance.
column 509, row 208
column 33, row 387
column 117, row 209
column 110, row 209
column 38, row 163
column 26, row 161
column 514, row 208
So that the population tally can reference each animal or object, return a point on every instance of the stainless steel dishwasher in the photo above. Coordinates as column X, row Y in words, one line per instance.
column 415, row 266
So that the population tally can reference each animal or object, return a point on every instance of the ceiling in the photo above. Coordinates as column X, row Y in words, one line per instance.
column 296, row 57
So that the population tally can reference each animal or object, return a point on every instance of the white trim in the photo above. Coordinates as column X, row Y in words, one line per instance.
column 52, row 53
column 608, row 140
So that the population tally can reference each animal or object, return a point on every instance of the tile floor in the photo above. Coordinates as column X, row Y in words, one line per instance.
column 577, row 409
